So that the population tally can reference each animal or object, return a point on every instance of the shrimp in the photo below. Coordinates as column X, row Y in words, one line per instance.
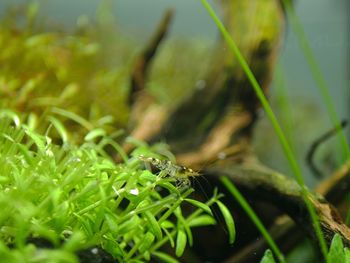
column 179, row 172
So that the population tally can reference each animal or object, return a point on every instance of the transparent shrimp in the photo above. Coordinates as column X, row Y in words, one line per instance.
column 180, row 173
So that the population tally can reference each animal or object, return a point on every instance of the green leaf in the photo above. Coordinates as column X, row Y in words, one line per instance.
column 147, row 242
column 95, row 134
column 164, row 257
column 188, row 233
column 112, row 224
column 74, row 117
column 129, row 225
column 147, row 176
column 10, row 114
column 144, row 203
column 200, row 205
column 229, row 221
column 84, row 221
column 152, row 222
column 171, row 239
column 75, row 242
column 181, row 241
column 25, row 153
column 4, row 250
column 60, row 128
column 32, row 121
column 336, row 252
column 169, row 186
column 37, row 139
column 203, row 220
column 268, row 257
column 182, row 223
column 147, row 255
column 347, row 255
column 167, row 224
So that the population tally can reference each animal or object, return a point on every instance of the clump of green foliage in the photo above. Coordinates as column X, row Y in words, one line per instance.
column 42, row 68
column 76, row 198
column 85, row 71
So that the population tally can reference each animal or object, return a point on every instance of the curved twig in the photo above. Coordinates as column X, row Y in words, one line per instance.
column 142, row 63
column 314, row 146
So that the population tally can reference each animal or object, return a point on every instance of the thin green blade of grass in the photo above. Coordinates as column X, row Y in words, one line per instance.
column 241, row 200
column 229, row 221
column 317, row 74
column 286, row 147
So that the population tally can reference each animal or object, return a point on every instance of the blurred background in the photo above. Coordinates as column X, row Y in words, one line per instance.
column 304, row 116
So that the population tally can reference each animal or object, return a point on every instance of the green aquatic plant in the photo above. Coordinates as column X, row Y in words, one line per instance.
column 75, row 198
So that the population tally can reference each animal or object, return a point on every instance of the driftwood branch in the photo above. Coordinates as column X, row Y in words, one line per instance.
column 141, row 66
column 143, row 108
column 217, row 120
column 285, row 232
column 266, row 184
